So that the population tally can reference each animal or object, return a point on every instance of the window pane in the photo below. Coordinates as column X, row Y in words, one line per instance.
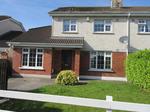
column 93, row 60
column 73, row 22
column 25, row 60
column 73, row 27
column 141, row 28
column 25, row 50
column 93, row 53
column 66, row 25
column 108, row 53
column 98, row 26
column 100, row 61
column 32, row 57
column 107, row 28
column 108, row 22
column 40, row 50
column 39, row 60
column 108, row 63
column 142, row 21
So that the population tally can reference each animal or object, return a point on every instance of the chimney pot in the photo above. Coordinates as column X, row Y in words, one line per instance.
column 117, row 3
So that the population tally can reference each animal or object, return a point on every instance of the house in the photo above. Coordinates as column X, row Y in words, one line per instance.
column 92, row 41
column 9, row 29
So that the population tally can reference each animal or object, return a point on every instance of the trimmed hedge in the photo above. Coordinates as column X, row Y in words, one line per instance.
column 66, row 77
column 138, row 68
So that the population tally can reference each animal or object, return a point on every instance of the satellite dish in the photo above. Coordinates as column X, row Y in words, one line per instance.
column 124, row 39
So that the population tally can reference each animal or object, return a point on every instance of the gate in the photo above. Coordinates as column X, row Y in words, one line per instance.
column 4, row 72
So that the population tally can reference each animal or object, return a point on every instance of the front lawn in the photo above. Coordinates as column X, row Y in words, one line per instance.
column 120, row 91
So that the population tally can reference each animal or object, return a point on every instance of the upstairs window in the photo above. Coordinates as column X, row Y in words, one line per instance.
column 100, row 60
column 144, row 26
column 70, row 25
column 102, row 26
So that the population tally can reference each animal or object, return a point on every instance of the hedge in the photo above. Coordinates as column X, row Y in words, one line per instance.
column 138, row 68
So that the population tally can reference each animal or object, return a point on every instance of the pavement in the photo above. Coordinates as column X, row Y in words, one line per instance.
column 28, row 83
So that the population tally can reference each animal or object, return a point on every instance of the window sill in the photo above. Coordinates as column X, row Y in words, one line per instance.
column 109, row 33
column 97, row 70
column 70, row 32
column 144, row 33
column 31, row 68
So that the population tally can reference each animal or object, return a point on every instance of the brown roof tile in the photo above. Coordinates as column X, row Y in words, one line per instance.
column 7, row 37
column 37, row 35
column 43, row 35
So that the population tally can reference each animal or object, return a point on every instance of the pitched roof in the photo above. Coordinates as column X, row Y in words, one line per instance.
column 8, row 37
column 43, row 35
column 3, row 17
column 37, row 35
column 99, row 10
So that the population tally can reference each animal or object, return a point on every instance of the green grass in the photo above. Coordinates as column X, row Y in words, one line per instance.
column 120, row 91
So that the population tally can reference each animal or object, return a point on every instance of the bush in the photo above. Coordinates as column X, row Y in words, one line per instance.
column 67, row 77
column 138, row 68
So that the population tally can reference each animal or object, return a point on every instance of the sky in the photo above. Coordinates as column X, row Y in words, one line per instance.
column 34, row 13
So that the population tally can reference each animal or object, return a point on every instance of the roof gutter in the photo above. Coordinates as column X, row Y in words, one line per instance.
column 100, row 14
column 43, row 45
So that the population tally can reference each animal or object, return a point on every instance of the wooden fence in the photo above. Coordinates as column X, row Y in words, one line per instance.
column 4, row 72
column 107, row 104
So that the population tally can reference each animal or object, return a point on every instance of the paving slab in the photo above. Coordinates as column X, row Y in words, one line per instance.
column 28, row 83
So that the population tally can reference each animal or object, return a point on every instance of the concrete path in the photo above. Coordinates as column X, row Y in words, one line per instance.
column 28, row 83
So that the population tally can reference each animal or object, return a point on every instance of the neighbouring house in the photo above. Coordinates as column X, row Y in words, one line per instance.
column 92, row 41
column 9, row 29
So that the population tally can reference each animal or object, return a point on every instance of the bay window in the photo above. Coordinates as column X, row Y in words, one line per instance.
column 32, row 57
column 100, row 60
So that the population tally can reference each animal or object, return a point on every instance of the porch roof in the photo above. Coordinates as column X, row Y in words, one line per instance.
column 41, row 37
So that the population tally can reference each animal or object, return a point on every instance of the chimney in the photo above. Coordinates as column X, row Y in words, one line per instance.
column 117, row 4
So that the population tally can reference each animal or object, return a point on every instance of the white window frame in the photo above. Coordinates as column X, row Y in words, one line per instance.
column 70, row 24
column 105, row 55
column 28, row 53
column 105, row 24
column 145, row 23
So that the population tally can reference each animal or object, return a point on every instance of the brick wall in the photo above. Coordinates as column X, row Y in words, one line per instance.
column 118, row 69
column 47, row 62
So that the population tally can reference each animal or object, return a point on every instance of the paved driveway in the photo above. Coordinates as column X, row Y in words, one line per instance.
column 28, row 83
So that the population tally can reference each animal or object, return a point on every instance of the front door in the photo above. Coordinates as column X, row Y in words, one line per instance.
column 66, row 60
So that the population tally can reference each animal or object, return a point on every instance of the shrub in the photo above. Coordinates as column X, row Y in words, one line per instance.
column 67, row 77
column 138, row 68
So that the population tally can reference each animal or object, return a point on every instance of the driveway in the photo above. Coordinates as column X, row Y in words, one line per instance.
column 28, row 83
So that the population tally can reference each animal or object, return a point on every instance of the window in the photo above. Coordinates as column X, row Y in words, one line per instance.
column 144, row 26
column 100, row 60
column 32, row 57
column 102, row 26
column 70, row 26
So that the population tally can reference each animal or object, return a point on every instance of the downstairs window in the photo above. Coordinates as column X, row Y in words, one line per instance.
column 100, row 60
column 32, row 57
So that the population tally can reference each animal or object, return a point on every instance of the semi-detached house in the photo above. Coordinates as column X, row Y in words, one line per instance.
column 92, row 41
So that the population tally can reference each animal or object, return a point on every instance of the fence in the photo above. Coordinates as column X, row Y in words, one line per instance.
column 4, row 72
column 106, row 104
